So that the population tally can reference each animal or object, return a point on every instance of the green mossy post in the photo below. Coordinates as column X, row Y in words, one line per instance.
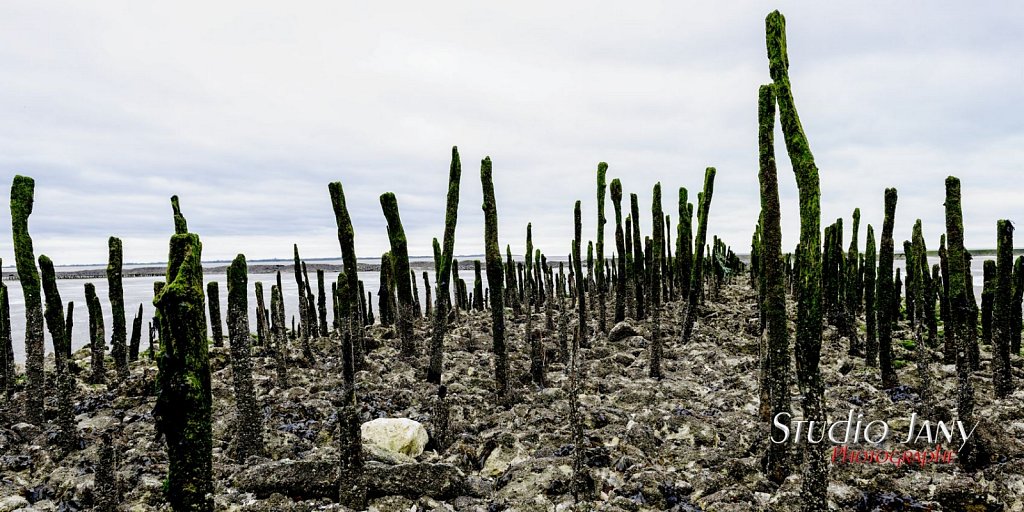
column 620, row 247
column 932, row 291
column 549, row 294
column 180, row 225
column 57, row 323
column 336, row 307
column 921, row 288
column 262, row 329
column 6, row 347
column 495, row 277
column 602, row 285
column 925, row 286
column 885, row 294
column 97, row 336
column 1015, row 305
column 1002, row 317
column 158, row 286
column 511, row 284
column 897, row 287
column 658, row 230
column 415, row 294
column 534, row 341
column 575, row 424
column 809, row 314
column 772, row 280
column 949, row 339
column 115, row 292
column 54, row 314
column 667, row 264
column 311, row 314
column 428, row 308
column 852, row 297
column 152, row 340
column 627, row 234
column 974, row 354
column 400, row 258
column 522, row 283
column 460, row 297
column 352, row 342
column 321, row 302
column 581, row 302
column 591, row 286
column 960, row 310
column 436, row 246
column 478, row 287
column 384, row 299
column 136, row 339
column 184, row 401
column 910, row 284
column 304, row 316
column 279, row 337
column 988, row 291
column 697, row 275
column 216, row 323
column 444, row 271
column 638, row 259
column 684, row 253
column 871, row 339
column 22, row 193
column 248, row 417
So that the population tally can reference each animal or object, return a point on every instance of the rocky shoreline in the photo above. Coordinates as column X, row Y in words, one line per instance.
column 690, row 441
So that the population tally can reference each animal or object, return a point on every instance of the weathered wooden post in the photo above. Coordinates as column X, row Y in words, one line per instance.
column 184, row 400
column 22, row 193
column 494, row 281
column 400, row 258
column 248, row 418
column 444, row 271
column 808, row 331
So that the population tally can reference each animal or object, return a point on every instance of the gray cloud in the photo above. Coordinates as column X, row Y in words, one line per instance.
column 248, row 110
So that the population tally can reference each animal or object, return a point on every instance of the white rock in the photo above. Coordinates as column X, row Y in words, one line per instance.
column 398, row 435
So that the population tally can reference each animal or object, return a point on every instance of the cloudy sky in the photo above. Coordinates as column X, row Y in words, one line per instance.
column 248, row 110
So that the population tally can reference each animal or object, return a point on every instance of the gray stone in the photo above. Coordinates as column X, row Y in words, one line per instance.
column 621, row 331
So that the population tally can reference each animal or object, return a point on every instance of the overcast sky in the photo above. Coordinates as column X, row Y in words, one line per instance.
column 247, row 111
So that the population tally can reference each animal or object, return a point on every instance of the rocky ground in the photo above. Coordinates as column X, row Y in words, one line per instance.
column 691, row 441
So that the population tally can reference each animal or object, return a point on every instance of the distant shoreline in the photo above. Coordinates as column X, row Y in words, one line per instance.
column 285, row 266
column 157, row 269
